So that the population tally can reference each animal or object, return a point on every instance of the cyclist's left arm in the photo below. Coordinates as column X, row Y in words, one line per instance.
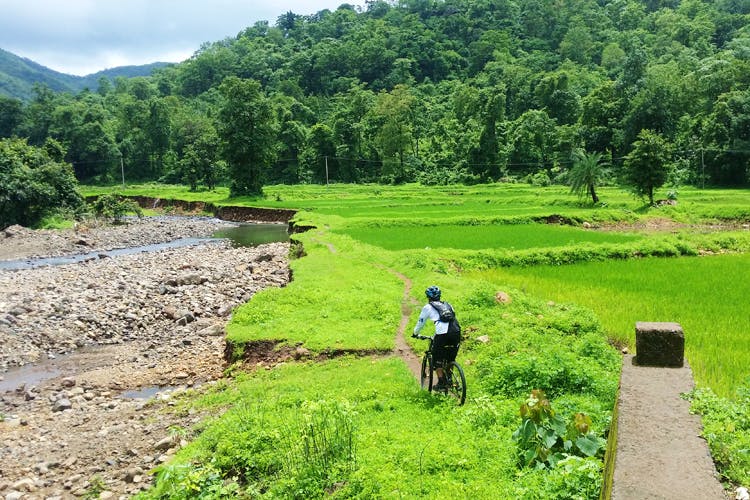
column 423, row 317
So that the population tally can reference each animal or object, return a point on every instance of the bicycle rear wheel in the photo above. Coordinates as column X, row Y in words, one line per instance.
column 456, row 382
column 426, row 378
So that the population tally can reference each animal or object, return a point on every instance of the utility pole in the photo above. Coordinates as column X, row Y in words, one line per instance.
column 326, row 170
column 122, row 171
column 703, row 171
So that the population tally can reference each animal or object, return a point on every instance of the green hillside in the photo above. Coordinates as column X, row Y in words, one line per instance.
column 18, row 76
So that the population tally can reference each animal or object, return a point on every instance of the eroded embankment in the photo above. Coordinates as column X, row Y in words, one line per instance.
column 223, row 212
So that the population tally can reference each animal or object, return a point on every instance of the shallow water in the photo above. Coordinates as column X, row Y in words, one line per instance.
column 30, row 375
column 142, row 393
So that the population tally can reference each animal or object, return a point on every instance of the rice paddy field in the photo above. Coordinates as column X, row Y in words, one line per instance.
column 481, row 237
column 707, row 295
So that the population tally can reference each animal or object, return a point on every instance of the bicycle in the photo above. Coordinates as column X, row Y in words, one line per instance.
column 452, row 371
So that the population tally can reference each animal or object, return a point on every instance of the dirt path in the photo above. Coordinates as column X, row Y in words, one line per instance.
column 402, row 348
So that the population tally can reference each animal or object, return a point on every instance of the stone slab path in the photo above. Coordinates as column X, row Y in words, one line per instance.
column 660, row 454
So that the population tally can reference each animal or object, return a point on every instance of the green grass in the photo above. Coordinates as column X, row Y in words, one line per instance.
column 706, row 295
column 335, row 302
column 407, row 444
column 511, row 237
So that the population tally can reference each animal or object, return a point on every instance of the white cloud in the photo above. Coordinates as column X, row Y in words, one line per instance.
column 85, row 36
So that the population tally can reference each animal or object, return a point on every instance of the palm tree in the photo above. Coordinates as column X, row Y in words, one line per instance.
column 588, row 170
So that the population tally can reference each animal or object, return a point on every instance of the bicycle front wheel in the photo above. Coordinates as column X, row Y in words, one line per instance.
column 426, row 378
column 457, row 382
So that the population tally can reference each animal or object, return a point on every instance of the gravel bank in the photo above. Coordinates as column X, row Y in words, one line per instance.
column 148, row 321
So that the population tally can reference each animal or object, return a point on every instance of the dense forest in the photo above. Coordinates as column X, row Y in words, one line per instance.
column 434, row 91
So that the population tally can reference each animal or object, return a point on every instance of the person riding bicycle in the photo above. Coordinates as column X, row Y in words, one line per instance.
column 445, row 343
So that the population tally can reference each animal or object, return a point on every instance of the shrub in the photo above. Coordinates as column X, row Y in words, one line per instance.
column 557, row 372
column 726, row 427
column 114, row 207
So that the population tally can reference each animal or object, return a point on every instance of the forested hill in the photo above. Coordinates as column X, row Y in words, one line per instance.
column 430, row 91
column 18, row 76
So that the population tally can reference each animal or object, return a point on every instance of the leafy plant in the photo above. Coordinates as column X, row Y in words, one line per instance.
column 543, row 439
column 96, row 487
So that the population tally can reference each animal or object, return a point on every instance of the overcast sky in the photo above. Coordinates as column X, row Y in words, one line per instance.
column 80, row 37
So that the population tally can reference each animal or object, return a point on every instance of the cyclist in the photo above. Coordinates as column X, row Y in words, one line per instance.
column 443, row 337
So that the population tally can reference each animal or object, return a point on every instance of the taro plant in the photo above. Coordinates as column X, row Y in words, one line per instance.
column 544, row 439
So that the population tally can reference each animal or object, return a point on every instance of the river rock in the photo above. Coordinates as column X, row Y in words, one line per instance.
column 13, row 230
column 115, row 301
column 215, row 330
column 62, row 404
column 26, row 484
column 502, row 298
column 190, row 279
column 166, row 443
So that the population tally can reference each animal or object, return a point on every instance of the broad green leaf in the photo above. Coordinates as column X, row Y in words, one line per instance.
column 588, row 444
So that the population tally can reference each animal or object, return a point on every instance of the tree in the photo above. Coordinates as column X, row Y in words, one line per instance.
column 33, row 184
column 486, row 158
column 587, row 172
column 647, row 166
column 158, row 129
column 82, row 127
column 199, row 162
column 11, row 115
column 393, row 111
column 247, row 132
column 318, row 157
column 532, row 141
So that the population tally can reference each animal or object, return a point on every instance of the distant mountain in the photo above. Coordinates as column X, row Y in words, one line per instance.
column 18, row 76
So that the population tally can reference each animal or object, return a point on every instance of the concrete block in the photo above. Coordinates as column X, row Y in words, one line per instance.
column 659, row 344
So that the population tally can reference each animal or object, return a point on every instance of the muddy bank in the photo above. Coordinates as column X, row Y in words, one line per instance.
column 148, row 321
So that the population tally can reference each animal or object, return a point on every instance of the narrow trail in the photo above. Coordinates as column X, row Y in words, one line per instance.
column 402, row 349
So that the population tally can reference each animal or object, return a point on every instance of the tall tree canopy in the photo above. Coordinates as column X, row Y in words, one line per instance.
column 246, row 129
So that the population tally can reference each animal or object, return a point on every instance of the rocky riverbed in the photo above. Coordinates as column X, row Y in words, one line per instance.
column 106, row 329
